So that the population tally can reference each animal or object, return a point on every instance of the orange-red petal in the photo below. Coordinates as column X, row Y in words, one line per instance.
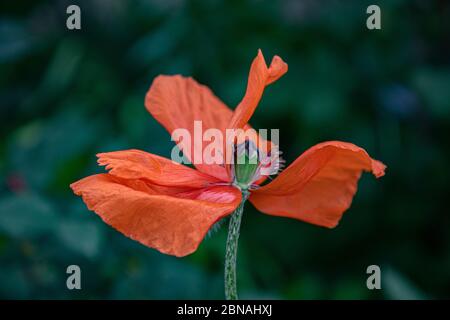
column 176, row 102
column 319, row 185
column 259, row 77
column 137, row 164
column 172, row 224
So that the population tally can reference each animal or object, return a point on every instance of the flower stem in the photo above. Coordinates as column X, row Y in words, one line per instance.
column 231, row 249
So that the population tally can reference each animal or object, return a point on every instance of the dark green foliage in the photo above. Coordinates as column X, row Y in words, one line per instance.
column 67, row 95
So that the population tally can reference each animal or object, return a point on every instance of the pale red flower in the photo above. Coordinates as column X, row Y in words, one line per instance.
column 170, row 207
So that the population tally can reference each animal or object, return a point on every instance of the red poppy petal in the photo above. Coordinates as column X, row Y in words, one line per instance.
column 319, row 185
column 259, row 77
column 176, row 102
column 170, row 224
column 137, row 164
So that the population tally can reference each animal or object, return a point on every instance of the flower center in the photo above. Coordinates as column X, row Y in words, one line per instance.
column 245, row 164
column 250, row 164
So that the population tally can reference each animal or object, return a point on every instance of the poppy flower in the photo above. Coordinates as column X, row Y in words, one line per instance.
column 170, row 207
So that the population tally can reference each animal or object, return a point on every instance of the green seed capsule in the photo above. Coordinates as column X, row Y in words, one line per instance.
column 246, row 163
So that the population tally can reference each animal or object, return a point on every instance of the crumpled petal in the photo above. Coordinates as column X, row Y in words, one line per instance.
column 319, row 185
column 137, row 164
column 172, row 224
column 176, row 102
column 259, row 77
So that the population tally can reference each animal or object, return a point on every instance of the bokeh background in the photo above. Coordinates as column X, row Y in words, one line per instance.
column 67, row 95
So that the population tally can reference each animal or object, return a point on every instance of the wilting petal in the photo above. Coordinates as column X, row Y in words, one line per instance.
column 137, row 164
column 319, row 186
column 170, row 224
column 176, row 102
column 259, row 77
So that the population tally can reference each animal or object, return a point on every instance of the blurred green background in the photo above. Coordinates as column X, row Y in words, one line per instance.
column 67, row 95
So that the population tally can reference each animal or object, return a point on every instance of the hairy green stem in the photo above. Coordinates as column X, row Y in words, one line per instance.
column 231, row 250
